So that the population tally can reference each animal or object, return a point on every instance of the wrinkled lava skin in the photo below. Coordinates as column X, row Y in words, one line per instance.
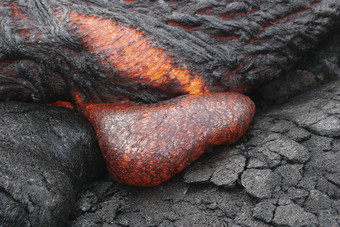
column 145, row 145
column 158, row 88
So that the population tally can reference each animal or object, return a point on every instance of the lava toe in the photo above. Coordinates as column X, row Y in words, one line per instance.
column 145, row 145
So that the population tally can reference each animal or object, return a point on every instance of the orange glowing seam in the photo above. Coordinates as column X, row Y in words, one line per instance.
column 62, row 103
column 182, row 26
column 129, row 51
column 17, row 15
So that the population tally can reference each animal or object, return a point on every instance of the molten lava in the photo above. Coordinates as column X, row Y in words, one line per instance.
column 128, row 50
column 145, row 145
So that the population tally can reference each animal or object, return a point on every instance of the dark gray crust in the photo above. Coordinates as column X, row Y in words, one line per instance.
column 237, row 44
column 46, row 155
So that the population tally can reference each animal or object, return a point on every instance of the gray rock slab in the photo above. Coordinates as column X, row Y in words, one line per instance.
column 264, row 211
column 260, row 182
column 294, row 215
column 46, row 155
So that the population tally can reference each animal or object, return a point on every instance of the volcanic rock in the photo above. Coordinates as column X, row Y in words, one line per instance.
column 46, row 155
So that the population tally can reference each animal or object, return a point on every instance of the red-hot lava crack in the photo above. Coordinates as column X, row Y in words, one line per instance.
column 145, row 145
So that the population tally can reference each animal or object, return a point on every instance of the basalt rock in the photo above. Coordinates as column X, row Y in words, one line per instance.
column 46, row 155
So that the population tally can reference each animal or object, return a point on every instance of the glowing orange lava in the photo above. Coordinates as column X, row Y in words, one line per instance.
column 145, row 145
column 128, row 50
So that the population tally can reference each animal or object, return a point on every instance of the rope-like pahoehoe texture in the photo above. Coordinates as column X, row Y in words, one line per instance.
column 49, row 49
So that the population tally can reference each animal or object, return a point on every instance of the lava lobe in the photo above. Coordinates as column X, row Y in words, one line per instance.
column 147, row 144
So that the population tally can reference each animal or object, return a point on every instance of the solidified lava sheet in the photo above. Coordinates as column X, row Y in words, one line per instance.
column 149, row 51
